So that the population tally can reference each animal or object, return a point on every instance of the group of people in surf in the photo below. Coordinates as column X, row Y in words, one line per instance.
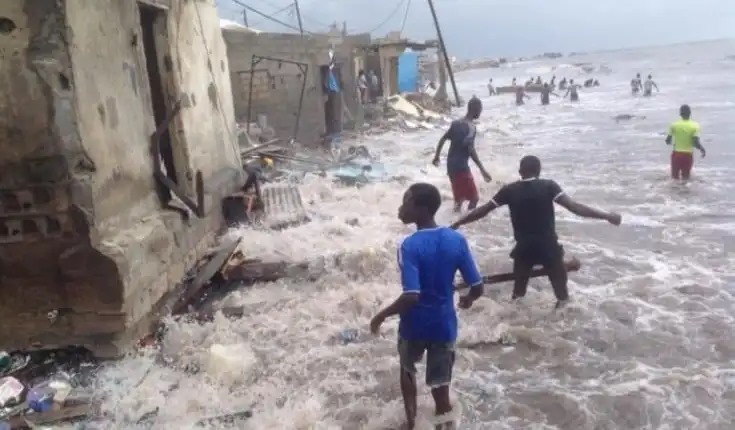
column 546, row 89
column 430, row 257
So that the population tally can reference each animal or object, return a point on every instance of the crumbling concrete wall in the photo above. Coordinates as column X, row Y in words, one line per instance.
column 277, row 86
column 86, row 247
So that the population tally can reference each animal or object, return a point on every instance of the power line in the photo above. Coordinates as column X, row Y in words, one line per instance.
column 405, row 16
column 266, row 16
column 385, row 21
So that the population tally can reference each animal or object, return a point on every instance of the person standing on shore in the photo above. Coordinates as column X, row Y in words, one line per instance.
column 374, row 85
column 362, row 85
column 684, row 134
column 531, row 202
column 428, row 260
column 462, row 134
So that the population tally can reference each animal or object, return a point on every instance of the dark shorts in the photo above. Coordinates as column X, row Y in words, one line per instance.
column 439, row 359
column 543, row 253
column 681, row 164
column 574, row 97
column 463, row 186
column 647, row 93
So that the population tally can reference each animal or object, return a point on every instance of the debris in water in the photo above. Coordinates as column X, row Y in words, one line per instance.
column 42, row 397
column 348, row 336
column 11, row 391
column 507, row 339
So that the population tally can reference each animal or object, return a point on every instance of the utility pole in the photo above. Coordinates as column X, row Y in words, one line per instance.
column 298, row 16
column 245, row 17
column 444, row 52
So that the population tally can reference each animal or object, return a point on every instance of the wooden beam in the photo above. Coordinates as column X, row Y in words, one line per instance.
column 570, row 266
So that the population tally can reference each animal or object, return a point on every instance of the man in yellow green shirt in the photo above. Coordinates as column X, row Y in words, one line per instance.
column 684, row 134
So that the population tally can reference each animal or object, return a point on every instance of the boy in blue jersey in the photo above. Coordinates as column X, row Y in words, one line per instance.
column 428, row 260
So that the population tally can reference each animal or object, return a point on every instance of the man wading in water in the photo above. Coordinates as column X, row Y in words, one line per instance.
column 531, row 202
column 545, row 91
column 684, row 134
column 428, row 260
column 462, row 147
column 573, row 90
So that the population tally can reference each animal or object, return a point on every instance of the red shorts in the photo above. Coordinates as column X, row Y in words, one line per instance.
column 463, row 186
column 681, row 164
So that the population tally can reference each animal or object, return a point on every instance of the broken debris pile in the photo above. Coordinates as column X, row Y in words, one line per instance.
column 45, row 388
column 412, row 115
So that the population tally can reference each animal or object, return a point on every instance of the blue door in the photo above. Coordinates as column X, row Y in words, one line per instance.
column 408, row 72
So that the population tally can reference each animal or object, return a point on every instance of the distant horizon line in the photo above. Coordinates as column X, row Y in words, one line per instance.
column 600, row 51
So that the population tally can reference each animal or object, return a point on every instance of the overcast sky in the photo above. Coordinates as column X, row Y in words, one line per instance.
column 491, row 28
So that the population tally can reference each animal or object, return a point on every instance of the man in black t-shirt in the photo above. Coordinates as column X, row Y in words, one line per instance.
column 531, row 202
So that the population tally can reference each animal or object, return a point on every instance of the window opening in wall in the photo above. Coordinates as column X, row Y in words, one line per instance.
column 150, row 19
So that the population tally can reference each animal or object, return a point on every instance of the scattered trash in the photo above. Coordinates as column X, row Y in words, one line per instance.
column 11, row 391
column 349, row 335
column 4, row 361
column 13, row 363
column 44, row 396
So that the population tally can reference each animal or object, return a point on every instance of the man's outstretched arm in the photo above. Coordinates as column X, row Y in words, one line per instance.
column 585, row 211
column 478, row 213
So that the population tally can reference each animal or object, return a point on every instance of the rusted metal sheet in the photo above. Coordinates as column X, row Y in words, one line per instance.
column 283, row 206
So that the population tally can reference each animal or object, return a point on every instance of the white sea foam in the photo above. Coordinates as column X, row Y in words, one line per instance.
column 646, row 343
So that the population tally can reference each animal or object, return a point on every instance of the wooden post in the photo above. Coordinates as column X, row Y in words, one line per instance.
column 444, row 52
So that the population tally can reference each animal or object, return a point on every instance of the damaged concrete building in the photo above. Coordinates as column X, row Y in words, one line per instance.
column 285, row 77
column 91, row 235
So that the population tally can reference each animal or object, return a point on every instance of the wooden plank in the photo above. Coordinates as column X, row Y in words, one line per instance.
column 70, row 410
column 570, row 266
column 207, row 272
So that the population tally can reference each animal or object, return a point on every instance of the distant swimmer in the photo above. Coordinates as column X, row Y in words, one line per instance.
column 684, row 134
column 563, row 84
column 572, row 91
column 461, row 134
column 596, row 83
column 520, row 95
column 538, row 80
column 428, row 260
column 545, row 91
column 514, row 82
column 588, row 83
column 531, row 203
column 491, row 88
column 648, row 86
column 553, row 80
column 636, row 85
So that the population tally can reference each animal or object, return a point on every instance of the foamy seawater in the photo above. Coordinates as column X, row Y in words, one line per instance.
column 648, row 342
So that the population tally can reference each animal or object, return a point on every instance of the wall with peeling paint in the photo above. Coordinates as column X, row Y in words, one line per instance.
column 86, row 247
